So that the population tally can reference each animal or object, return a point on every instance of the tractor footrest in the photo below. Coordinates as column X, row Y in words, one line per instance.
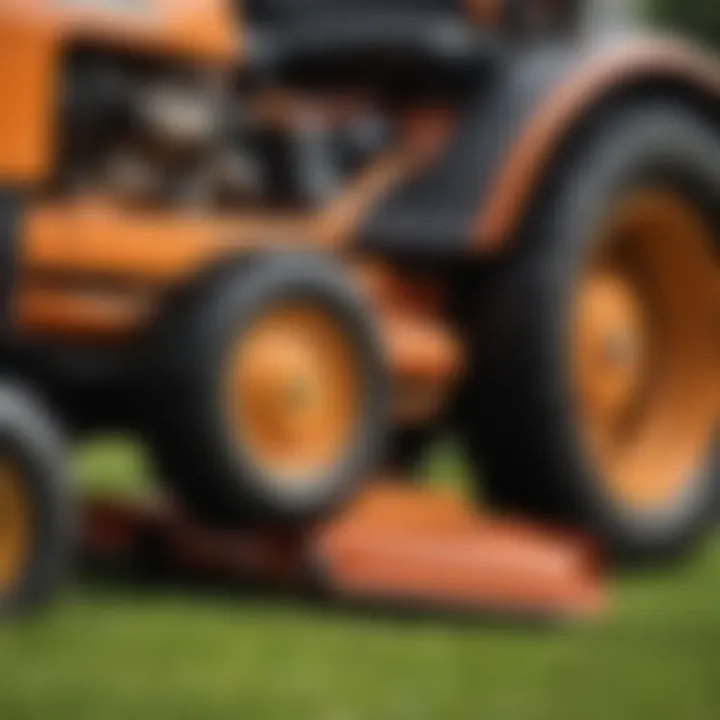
column 395, row 545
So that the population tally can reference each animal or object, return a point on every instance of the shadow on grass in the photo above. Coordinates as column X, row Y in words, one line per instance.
column 149, row 578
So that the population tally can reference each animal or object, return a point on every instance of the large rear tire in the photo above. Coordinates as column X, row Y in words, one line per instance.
column 595, row 401
column 272, row 392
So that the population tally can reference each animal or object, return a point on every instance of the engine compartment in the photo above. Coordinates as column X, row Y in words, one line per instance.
column 148, row 132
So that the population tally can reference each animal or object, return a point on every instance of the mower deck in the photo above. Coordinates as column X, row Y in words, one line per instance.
column 397, row 545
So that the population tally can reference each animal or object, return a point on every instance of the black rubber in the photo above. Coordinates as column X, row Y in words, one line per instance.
column 206, row 467
column 30, row 440
column 518, row 424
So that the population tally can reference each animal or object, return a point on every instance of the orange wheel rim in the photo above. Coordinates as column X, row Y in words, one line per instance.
column 295, row 392
column 14, row 526
column 646, row 366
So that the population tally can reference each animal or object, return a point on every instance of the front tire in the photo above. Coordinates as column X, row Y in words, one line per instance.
column 272, row 392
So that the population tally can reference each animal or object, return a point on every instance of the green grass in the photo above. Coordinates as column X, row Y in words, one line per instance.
column 107, row 654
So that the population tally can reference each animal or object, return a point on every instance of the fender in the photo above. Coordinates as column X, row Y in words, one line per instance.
column 632, row 64
column 473, row 199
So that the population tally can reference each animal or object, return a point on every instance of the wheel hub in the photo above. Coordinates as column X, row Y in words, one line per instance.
column 296, row 392
column 612, row 342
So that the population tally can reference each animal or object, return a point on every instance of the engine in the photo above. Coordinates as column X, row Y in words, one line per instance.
column 150, row 133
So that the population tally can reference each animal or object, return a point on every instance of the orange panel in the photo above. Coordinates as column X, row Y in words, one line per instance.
column 414, row 546
column 88, row 315
column 154, row 247
column 28, row 83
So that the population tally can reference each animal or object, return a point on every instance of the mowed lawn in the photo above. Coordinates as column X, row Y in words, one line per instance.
column 106, row 654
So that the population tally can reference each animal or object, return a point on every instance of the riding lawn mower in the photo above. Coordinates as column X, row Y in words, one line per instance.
column 290, row 243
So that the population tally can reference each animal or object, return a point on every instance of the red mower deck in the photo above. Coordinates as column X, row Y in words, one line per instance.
column 395, row 545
